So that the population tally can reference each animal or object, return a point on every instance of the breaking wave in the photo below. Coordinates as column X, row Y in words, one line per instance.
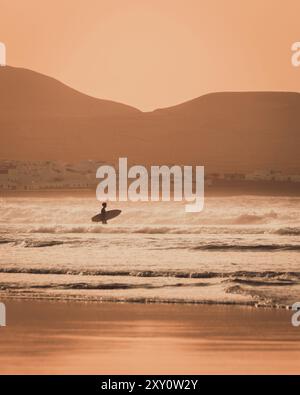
column 89, row 286
column 215, row 248
column 41, row 244
column 151, row 229
column 289, row 231
column 245, row 219
column 249, row 247
column 281, row 275
column 265, row 282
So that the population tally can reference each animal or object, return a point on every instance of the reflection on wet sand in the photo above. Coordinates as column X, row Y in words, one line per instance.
column 58, row 337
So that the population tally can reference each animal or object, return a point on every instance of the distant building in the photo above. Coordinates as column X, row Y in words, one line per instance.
column 2, row 54
column 214, row 176
column 294, row 178
column 234, row 176
column 5, row 181
column 262, row 175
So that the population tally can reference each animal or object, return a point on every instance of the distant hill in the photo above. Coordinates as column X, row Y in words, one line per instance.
column 27, row 93
column 41, row 118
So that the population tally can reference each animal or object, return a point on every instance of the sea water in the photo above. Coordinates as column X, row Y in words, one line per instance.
column 239, row 250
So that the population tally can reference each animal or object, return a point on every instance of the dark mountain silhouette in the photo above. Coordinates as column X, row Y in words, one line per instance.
column 41, row 118
column 27, row 93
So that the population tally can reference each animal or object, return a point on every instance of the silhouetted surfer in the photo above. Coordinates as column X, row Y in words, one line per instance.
column 105, row 215
column 103, row 212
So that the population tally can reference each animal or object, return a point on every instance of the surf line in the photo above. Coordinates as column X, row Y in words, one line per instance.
column 162, row 183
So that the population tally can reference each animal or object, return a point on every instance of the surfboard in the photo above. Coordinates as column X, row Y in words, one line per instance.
column 110, row 214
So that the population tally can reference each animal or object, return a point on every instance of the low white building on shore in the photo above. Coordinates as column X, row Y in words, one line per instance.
column 2, row 54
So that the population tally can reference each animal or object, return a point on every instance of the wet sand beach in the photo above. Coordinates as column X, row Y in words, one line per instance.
column 97, row 338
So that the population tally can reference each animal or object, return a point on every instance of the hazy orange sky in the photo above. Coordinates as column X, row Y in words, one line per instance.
column 155, row 53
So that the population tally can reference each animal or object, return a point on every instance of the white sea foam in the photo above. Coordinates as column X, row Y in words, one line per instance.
column 239, row 250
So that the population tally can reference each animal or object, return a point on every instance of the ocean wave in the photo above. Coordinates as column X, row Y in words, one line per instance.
column 265, row 282
column 6, row 241
column 289, row 231
column 151, row 229
column 244, row 219
column 260, row 299
column 282, row 275
column 248, row 247
column 240, row 290
column 182, row 229
column 40, row 244
column 91, row 286
column 130, row 299
column 180, row 245
column 255, row 301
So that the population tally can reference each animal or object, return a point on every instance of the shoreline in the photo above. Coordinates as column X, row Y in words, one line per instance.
column 51, row 337
column 261, row 189
column 143, row 301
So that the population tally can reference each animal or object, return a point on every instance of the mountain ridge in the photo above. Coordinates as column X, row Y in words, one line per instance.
column 232, row 131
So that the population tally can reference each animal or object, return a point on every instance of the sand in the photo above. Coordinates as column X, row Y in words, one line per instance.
column 44, row 337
